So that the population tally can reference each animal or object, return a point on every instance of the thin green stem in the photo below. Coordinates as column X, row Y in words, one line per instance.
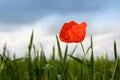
column 85, row 60
column 83, row 53
column 116, row 63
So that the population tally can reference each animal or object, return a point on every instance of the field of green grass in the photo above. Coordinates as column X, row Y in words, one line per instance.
column 35, row 65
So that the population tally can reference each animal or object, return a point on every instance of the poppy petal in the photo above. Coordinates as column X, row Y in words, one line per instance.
column 73, row 32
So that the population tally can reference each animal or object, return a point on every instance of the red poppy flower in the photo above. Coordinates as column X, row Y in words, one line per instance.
column 73, row 32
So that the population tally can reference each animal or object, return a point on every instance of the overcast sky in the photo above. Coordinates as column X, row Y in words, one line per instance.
column 19, row 17
column 23, row 11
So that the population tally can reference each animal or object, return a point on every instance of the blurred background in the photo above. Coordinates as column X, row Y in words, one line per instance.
column 19, row 17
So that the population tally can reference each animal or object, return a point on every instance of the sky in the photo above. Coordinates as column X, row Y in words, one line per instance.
column 19, row 17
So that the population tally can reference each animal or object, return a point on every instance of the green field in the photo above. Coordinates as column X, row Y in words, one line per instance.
column 35, row 65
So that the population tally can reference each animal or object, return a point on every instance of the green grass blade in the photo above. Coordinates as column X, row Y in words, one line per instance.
column 39, row 67
column 74, row 49
column 115, row 50
column 88, row 49
column 92, row 61
column 53, row 53
column 76, row 59
column 59, row 49
column 83, row 72
column 29, row 57
column 43, row 57
column 30, row 44
column 66, row 51
column 4, row 51
column 83, row 50
column 115, row 69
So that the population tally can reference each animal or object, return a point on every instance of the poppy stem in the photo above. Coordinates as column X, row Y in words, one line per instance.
column 85, row 60
column 83, row 51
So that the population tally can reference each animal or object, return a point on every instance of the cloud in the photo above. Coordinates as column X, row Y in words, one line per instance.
column 103, row 44
column 19, row 18
column 28, row 11
column 17, row 40
column 98, row 23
